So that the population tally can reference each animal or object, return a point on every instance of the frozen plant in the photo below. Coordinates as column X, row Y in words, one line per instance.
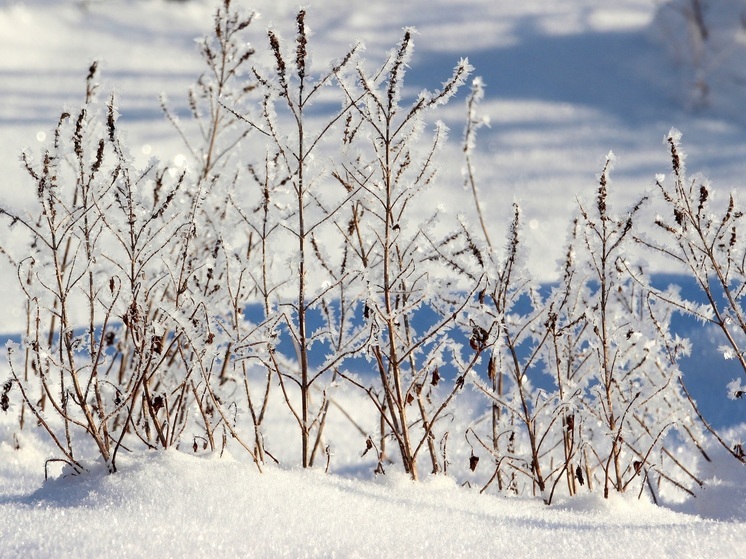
column 387, row 172
column 705, row 237
column 301, row 210
column 103, row 352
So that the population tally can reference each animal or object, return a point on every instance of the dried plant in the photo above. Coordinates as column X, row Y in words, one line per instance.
column 706, row 240
column 99, row 242
column 175, row 307
column 293, row 177
column 387, row 174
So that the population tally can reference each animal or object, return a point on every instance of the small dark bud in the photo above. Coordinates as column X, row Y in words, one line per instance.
column 435, row 378
column 678, row 216
column 579, row 475
column 473, row 461
column 570, row 422
column 156, row 344
column 703, row 195
column 4, row 399
column 92, row 70
column 158, row 403
column 492, row 369
column 368, row 446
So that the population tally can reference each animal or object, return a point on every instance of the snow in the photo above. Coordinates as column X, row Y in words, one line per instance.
column 565, row 83
column 169, row 504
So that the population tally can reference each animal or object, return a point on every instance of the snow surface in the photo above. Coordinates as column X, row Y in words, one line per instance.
column 566, row 82
column 170, row 504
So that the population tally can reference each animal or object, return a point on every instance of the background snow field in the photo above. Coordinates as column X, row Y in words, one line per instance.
column 566, row 82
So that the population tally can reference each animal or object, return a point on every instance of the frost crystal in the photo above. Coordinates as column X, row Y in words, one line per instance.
column 736, row 389
column 727, row 352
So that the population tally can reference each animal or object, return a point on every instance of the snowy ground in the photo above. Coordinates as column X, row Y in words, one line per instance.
column 567, row 82
column 173, row 505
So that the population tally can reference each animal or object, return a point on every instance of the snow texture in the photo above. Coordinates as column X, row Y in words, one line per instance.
column 169, row 504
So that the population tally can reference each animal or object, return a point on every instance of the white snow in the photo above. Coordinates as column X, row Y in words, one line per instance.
column 170, row 504
column 565, row 83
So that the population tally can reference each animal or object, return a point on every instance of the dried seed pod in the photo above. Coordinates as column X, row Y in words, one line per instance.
column 570, row 422
column 492, row 369
column 678, row 216
column 156, row 344
column 4, row 399
column 368, row 446
column 478, row 340
column 703, row 195
column 158, row 403
column 473, row 461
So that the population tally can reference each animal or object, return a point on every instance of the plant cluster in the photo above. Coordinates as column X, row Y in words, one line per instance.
column 174, row 307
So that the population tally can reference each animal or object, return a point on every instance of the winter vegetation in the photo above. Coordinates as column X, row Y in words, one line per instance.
column 287, row 332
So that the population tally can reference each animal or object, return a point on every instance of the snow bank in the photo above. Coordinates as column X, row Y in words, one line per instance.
column 168, row 504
